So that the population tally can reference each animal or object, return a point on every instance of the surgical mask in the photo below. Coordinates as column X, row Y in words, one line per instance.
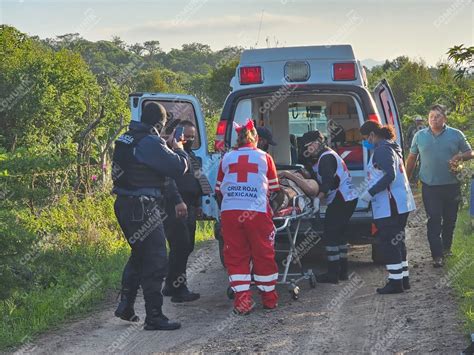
column 366, row 144
column 188, row 145
column 264, row 147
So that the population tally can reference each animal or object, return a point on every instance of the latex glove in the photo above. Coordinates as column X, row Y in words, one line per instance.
column 365, row 196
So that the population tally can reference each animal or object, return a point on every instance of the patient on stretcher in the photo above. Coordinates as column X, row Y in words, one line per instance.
column 294, row 183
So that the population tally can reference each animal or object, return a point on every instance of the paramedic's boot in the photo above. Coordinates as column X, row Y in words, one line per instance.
column 392, row 286
column 343, row 269
column 332, row 276
column 125, row 308
column 156, row 320
column 270, row 299
column 243, row 303
column 406, row 283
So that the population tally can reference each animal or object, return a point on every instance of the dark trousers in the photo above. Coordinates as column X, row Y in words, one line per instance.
column 180, row 233
column 141, row 223
column 441, row 206
column 390, row 238
column 338, row 214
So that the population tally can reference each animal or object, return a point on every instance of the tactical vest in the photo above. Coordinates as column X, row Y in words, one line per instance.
column 127, row 171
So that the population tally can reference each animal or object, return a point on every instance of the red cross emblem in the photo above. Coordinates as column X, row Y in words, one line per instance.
column 242, row 168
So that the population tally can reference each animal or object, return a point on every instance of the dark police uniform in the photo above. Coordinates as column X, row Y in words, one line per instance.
column 180, row 232
column 141, row 161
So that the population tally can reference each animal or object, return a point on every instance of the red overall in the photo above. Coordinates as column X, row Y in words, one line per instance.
column 246, row 177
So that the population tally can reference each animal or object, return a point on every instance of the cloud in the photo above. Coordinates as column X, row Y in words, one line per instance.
column 182, row 23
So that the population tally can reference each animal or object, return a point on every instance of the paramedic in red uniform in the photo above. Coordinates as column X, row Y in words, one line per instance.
column 246, row 177
column 335, row 186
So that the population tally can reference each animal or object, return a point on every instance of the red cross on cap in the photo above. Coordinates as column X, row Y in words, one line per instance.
column 242, row 168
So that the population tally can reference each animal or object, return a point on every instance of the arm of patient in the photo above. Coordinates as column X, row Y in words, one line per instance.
column 309, row 186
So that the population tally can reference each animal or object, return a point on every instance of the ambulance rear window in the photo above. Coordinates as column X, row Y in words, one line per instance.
column 183, row 111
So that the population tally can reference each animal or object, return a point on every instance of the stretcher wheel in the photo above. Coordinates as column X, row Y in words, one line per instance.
column 312, row 280
column 294, row 291
column 230, row 293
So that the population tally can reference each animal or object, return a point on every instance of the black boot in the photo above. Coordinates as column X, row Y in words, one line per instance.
column 168, row 290
column 343, row 269
column 125, row 309
column 392, row 286
column 156, row 320
column 184, row 295
column 406, row 283
column 332, row 276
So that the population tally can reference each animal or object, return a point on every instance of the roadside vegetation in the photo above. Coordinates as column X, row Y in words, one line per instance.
column 63, row 101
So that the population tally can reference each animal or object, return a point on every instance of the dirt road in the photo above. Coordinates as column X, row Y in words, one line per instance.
column 345, row 318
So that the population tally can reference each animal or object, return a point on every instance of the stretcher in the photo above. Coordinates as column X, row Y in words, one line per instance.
column 284, row 221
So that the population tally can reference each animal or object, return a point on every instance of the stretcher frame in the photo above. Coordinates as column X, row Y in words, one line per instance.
column 286, row 223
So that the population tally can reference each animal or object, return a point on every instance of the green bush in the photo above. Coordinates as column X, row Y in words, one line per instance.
column 461, row 269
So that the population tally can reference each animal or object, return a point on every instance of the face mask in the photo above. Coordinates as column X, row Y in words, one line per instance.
column 264, row 147
column 366, row 144
column 188, row 145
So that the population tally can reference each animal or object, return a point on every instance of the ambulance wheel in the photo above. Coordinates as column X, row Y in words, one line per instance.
column 230, row 293
column 312, row 280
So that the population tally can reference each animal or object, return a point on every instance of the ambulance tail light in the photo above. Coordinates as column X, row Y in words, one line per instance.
column 250, row 75
column 343, row 71
column 219, row 142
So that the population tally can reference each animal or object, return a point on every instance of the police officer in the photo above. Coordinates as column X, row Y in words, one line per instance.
column 392, row 200
column 335, row 186
column 141, row 161
column 181, row 229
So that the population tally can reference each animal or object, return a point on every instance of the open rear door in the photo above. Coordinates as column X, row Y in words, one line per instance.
column 187, row 107
column 387, row 108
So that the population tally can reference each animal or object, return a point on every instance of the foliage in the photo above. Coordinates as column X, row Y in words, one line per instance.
column 64, row 100
column 461, row 269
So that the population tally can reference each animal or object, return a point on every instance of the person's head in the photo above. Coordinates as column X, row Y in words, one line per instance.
column 373, row 132
column 419, row 121
column 265, row 138
column 189, row 134
column 246, row 134
column 169, row 128
column 314, row 144
column 437, row 117
column 154, row 114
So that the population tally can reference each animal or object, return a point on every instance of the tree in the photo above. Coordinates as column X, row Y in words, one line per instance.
column 136, row 48
column 117, row 41
column 463, row 58
column 152, row 47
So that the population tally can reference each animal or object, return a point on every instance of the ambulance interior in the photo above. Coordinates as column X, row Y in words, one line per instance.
column 337, row 116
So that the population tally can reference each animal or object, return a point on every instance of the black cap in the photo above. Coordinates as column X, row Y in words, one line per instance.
column 312, row 136
column 153, row 113
column 264, row 132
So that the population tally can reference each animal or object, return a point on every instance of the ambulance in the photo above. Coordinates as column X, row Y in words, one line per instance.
column 293, row 90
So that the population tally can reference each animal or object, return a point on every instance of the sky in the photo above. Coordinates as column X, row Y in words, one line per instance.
column 377, row 30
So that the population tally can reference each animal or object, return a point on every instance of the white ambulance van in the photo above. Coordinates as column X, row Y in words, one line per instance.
column 291, row 91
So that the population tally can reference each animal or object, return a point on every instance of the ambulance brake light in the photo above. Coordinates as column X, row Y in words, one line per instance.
column 250, row 75
column 344, row 71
